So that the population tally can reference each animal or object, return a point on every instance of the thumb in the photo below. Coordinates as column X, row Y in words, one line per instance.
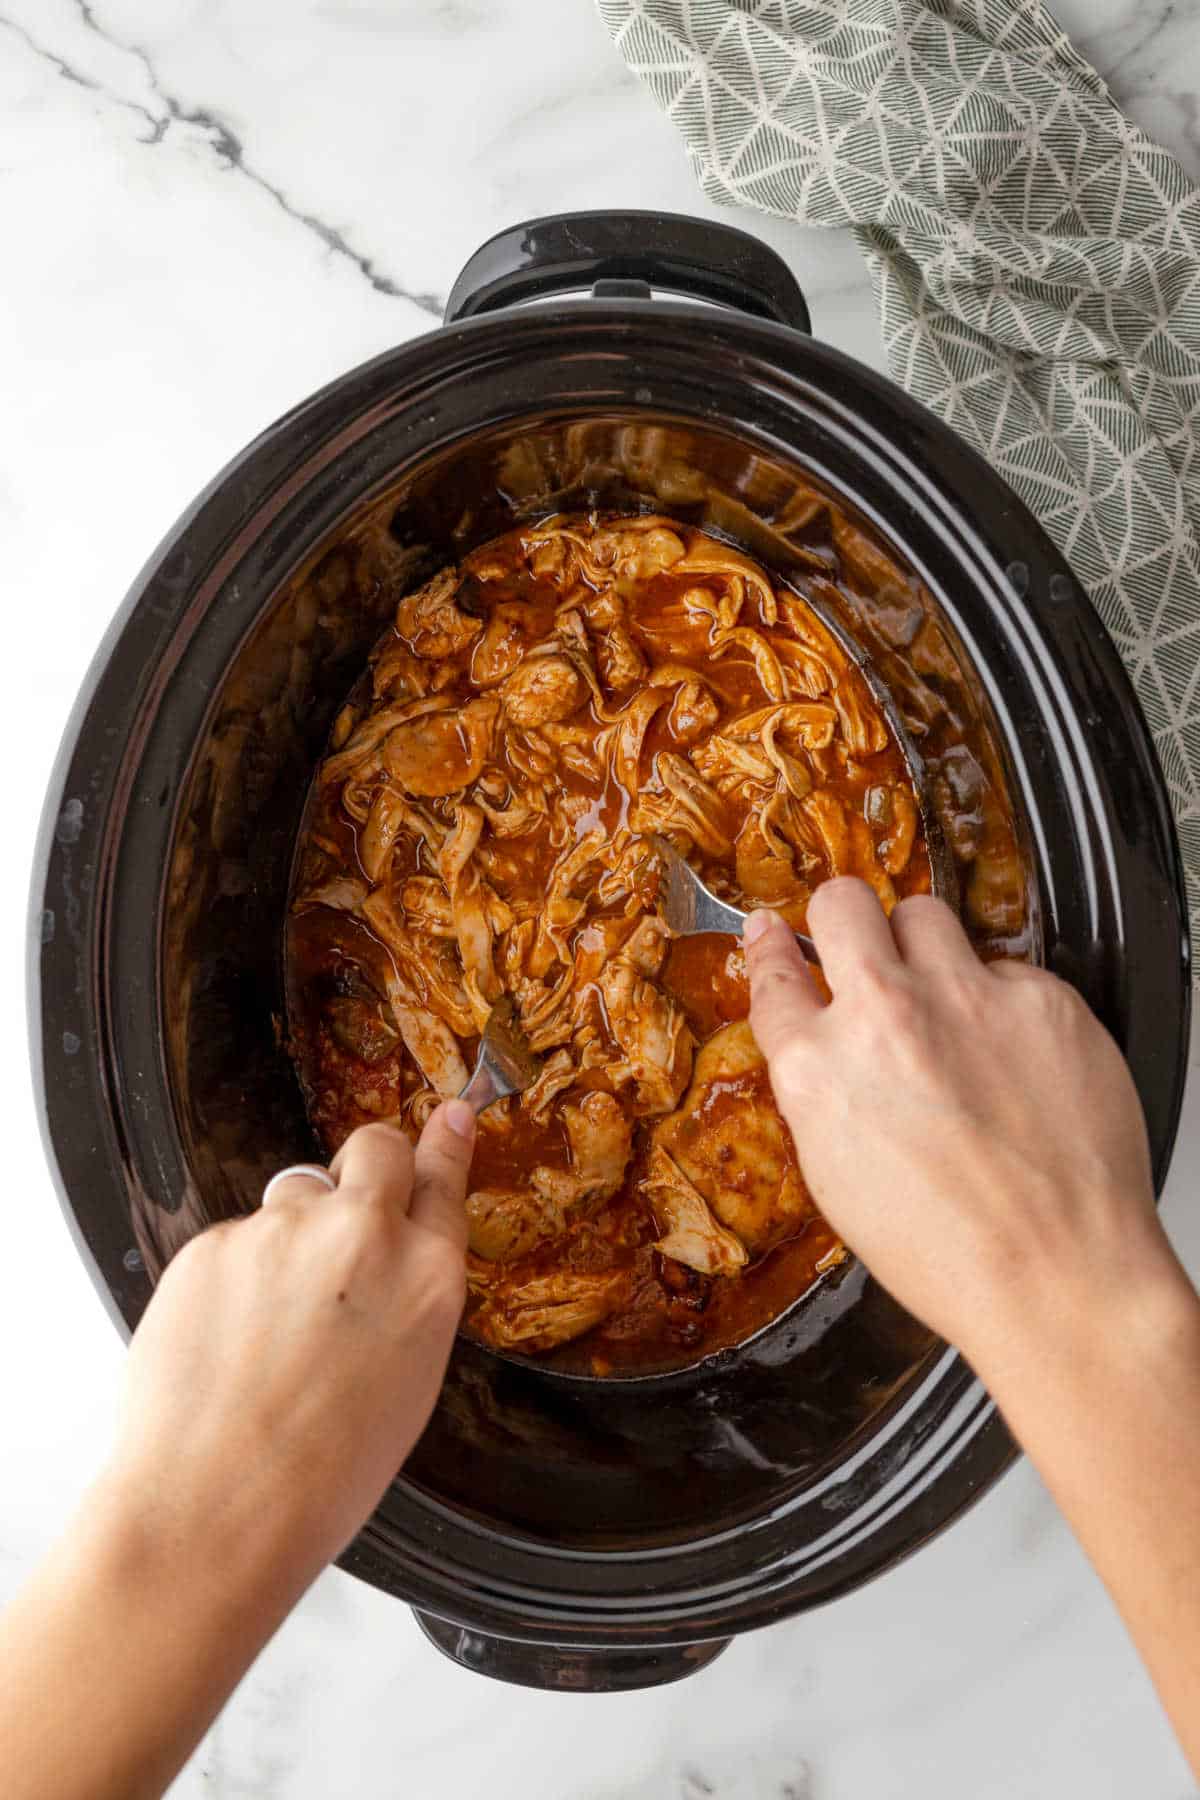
column 440, row 1170
column 783, row 998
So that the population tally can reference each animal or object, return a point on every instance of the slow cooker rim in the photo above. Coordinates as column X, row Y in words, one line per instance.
column 978, row 1446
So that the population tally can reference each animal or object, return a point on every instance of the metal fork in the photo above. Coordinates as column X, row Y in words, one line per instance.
column 505, row 1064
column 688, row 907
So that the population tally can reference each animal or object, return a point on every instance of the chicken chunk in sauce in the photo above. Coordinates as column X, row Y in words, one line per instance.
column 729, row 1143
column 481, row 826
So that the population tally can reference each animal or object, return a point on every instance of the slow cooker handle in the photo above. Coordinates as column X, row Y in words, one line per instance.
column 622, row 255
column 565, row 1669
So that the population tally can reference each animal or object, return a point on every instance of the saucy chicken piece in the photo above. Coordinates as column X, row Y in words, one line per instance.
column 424, row 966
column 601, row 1140
column 503, row 1223
column 428, row 1040
column 502, row 645
column 470, row 911
column 708, row 558
column 361, row 755
column 542, row 690
column 506, row 1224
column 652, row 1033
column 680, row 804
column 396, row 674
column 637, row 551
column 620, row 661
column 430, row 621
column 769, row 862
column 755, row 645
column 691, row 1235
column 442, row 754
column 557, row 1074
column 552, row 1309
column 426, row 905
column 732, row 1145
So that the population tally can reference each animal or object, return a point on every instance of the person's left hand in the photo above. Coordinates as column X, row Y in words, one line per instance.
column 288, row 1362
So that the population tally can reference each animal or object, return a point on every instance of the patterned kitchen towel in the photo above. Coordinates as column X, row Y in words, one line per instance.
column 1036, row 260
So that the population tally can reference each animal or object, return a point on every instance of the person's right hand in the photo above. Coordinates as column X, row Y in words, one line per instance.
column 971, row 1130
column 974, row 1134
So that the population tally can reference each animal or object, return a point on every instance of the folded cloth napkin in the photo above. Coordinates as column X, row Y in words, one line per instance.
column 1035, row 257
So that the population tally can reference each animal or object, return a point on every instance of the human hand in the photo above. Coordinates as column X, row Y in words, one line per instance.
column 288, row 1362
column 282, row 1372
column 973, row 1132
column 970, row 1129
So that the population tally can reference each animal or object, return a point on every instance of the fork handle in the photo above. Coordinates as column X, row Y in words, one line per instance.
column 712, row 914
column 482, row 1089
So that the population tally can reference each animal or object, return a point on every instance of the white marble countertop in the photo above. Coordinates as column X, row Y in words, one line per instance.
column 209, row 209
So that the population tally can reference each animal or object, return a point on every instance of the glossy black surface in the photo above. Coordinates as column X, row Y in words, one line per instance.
column 624, row 254
column 563, row 1669
column 538, row 1509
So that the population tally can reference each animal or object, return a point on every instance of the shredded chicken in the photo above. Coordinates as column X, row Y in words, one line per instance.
column 396, row 673
column 388, row 813
column 361, row 755
column 427, row 906
column 426, row 966
column 682, row 804
column 557, row 1074
column 766, row 863
column 430, row 621
column 766, row 663
column 429, row 1041
column 691, row 1234
column 500, row 649
column 551, row 1310
column 542, row 690
column 505, row 1224
column 440, row 754
column 739, row 1156
column 344, row 893
column 601, row 1140
column 653, row 1035
column 481, row 828
column 470, row 912
column 621, row 662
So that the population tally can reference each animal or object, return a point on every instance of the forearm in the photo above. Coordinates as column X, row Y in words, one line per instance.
column 1102, row 1389
column 119, row 1654
column 283, row 1371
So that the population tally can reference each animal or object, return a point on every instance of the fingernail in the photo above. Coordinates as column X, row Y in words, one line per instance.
column 757, row 925
column 460, row 1117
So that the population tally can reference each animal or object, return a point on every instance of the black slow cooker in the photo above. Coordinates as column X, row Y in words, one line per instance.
column 556, row 1530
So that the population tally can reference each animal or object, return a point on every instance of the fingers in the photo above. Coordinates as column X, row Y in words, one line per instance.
column 930, row 938
column 379, row 1159
column 443, row 1161
column 1008, row 969
column 851, row 932
column 297, row 1185
column 783, row 997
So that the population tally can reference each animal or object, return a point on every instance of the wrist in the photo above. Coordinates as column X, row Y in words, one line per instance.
column 171, row 1610
column 235, row 1549
column 1093, row 1310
